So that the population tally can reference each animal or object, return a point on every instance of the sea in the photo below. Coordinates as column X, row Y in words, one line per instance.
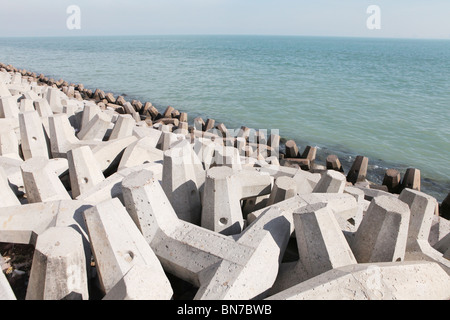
column 386, row 99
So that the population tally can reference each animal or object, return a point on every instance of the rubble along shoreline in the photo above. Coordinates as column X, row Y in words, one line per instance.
column 88, row 153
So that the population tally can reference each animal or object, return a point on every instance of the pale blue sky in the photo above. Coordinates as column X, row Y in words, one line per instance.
column 399, row 18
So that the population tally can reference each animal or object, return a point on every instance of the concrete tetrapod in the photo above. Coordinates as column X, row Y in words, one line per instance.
column 32, row 136
column 53, row 97
column 422, row 208
column 224, row 189
column 227, row 156
column 23, row 224
column 284, row 188
column 321, row 246
column 180, row 182
column 9, row 107
column 58, row 271
column 41, row 182
column 343, row 206
column 62, row 136
column 96, row 128
column 331, row 182
column 383, row 232
column 139, row 152
column 381, row 281
column 109, row 153
column 123, row 127
column 118, row 246
column 9, row 143
column 242, row 268
column 84, row 170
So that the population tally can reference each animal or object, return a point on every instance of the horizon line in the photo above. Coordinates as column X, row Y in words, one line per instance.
column 226, row 34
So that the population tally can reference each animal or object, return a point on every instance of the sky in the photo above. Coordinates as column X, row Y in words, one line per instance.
column 348, row 18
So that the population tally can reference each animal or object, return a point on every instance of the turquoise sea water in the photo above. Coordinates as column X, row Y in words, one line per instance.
column 386, row 99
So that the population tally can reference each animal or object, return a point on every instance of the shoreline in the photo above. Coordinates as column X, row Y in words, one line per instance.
column 376, row 168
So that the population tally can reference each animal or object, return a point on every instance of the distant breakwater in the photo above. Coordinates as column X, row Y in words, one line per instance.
column 313, row 159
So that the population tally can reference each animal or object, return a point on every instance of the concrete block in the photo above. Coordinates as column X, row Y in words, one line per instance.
column 221, row 210
column 53, row 97
column 59, row 267
column 6, row 292
column 4, row 92
column 204, row 148
column 222, row 267
column 383, row 233
column 96, row 128
column 306, row 181
column 443, row 245
column 13, row 172
column 9, row 144
column 9, row 107
column 89, row 112
column 153, row 134
column 362, row 207
column 118, row 246
column 358, row 171
column 392, row 179
column 227, row 156
column 111, row 187
column 422, row 208
column 381, row 281
column 108, row 154
column 284, row 188
column 34, row 143
column 41, row 182
column 422, row 211
column 180, row 182
column 331, row 182
column 343, row 206
column 223, row 192
column 370, row 192
column 22, row 224
column 139, row 284
column 123, row 127
column 43, row 108
column 26, row 105
column 16, row 78
column 440, row 227
column 333, row 163
column 321, row 246
column 62, row 136
column 411, row 179
column 8, row 197
column 141, row 151
column 84, row 170
column 292, row 149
